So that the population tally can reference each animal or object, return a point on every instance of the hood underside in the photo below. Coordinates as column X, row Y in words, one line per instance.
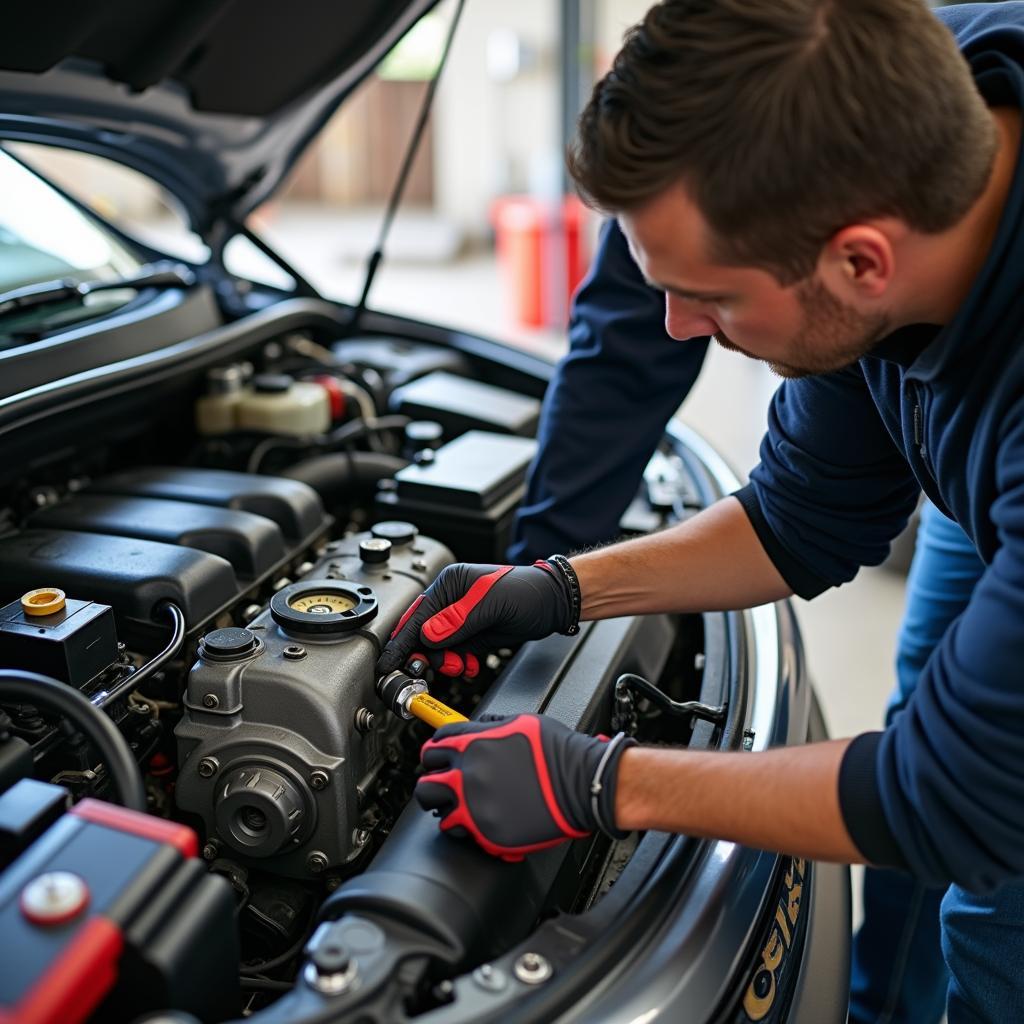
column 213, row 99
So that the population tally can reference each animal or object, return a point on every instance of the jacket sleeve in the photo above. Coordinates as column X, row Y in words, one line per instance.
column 832, row 490
column 941, row 791
column 605, row 409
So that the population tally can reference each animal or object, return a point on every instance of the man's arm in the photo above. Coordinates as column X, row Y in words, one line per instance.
column 784, row 800
column 712, row 562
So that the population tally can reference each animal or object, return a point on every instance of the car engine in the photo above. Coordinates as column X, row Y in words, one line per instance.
column 218, row 585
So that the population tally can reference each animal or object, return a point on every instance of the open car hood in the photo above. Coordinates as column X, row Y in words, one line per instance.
column 213, row 99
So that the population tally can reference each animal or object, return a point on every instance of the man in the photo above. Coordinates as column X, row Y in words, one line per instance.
column 604, row 413
column 828, row 186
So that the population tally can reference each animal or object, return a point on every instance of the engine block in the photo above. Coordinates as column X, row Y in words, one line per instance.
column 282, row 730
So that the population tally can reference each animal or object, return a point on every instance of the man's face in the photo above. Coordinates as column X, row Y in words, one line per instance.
column 797, row 330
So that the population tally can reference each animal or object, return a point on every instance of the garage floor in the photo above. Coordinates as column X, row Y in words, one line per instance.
column 849, row 633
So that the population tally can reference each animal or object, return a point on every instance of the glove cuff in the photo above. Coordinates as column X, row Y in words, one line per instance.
column 570, row 581
column 604, row 782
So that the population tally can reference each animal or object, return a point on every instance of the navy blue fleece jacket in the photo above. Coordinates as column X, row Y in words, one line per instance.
column 606, row 407
column 941, row 792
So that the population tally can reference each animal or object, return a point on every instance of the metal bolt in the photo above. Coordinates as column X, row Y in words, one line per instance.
column 251, row 611
column 699, row 660
column 360, row 837
column 210, row 700
column 490, row 978
column 207, row 767
column 317, row 862
column 333, row 983
column 532, row 969
column 304, row 568
column 294, row 652
column 365, row 720
column 319, row 779
column 211, row 849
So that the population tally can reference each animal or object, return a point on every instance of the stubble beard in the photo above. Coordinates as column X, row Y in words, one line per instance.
column 833, row 335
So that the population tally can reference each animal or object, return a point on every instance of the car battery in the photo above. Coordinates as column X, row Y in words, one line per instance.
column 110, row 914
column 466, row 495
column 459, row 404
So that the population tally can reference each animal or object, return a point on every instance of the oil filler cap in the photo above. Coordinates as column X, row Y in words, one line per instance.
column 374, row 550
column 44, row 601
column 232, row 644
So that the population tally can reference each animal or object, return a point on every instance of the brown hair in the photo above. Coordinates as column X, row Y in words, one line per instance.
column 787, row 120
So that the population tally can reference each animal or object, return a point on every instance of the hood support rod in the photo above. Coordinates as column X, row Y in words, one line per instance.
column 411, row 150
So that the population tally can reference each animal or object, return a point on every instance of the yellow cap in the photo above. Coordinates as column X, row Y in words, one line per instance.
column 44, row 601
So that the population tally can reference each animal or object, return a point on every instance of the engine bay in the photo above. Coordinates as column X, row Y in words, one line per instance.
column 221, row 586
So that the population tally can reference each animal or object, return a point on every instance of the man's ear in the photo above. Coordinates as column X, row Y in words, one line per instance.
column 858, row 262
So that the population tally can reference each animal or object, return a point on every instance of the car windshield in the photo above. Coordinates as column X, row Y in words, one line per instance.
column 45, row 237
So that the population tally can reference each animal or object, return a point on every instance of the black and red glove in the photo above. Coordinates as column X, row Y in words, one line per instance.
column 470, row 610
column 522, row 784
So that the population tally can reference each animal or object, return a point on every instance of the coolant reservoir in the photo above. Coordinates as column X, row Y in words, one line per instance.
column 215, row 411
column 277, row 404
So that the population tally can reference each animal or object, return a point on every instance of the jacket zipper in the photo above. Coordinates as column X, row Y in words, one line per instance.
column 919, row 427
column 919, row 442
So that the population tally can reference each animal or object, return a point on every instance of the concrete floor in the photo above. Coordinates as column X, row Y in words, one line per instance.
column 849, row 633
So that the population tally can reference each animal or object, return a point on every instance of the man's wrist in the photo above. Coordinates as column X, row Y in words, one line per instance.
column 628, row 805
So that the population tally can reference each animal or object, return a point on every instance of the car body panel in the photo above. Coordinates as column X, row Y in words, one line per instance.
column 213, row 100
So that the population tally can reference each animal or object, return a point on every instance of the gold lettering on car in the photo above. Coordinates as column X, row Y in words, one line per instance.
column 764, row 986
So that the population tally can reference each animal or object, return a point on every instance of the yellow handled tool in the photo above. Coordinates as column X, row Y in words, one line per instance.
column 430, row 710
column 408, row 698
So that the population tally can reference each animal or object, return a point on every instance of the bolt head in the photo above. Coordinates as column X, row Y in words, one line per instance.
column 319, row 779
column 317, row 862
column 490, row 978
column 210, row 850
column 207, row 767
column 210, row 700
column 532, row 968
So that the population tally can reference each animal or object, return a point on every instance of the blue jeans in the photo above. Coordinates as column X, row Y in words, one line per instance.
column 899, row 973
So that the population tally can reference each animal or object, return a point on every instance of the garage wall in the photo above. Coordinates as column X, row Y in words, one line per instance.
column 495, row 137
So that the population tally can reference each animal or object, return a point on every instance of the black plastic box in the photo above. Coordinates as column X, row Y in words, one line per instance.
column 459, row 405
column 74, row 645
column 467, row 497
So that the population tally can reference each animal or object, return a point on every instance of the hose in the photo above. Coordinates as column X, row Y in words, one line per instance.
column 345, row 434
column 334, row 474
column 61, row 699
column 107, row 697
